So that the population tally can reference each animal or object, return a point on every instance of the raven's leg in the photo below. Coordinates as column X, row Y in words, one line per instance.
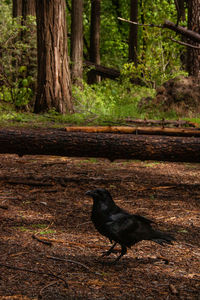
column 123, row 252
column 107, row 253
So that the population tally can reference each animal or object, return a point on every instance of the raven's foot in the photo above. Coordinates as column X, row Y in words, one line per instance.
column 111, row 250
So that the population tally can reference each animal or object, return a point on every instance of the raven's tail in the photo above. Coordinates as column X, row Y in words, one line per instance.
column 162, row 238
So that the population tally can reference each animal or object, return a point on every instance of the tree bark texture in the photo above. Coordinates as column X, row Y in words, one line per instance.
column 95, row 38
column 53, row 82
column 16, row 8
column 107, row 145
column 133, row 33
column 77, row 41
column 28, row 8
column 193, row 55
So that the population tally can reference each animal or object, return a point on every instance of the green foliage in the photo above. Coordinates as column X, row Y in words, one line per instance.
column 18, row 57
column 152, row 73
column 110, row 100
column 159, row 57
column 158, row 61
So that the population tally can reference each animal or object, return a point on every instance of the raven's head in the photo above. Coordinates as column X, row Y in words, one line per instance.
column 101, row 195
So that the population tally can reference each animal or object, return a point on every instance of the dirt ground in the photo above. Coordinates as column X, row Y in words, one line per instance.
column 49, row 248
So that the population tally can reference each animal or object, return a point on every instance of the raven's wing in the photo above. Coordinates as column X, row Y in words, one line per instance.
column 143, row 219
column 127, row 229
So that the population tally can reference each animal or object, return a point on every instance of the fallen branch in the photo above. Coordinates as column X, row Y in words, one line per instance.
column 103, row 71
column 42, row 240
column 74, row 262
column 31, row 183
column 136, row 130
column 59, row 180
column 77, row 244
column 44, row 288
column 4, row 207
column 35, row 272
column 163, row 122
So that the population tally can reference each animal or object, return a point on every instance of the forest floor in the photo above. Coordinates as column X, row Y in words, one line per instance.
column 42, row 198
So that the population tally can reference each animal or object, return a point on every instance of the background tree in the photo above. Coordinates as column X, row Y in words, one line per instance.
column 133, row 33
column 16, row 8
column 193, row 55
column 77, row 41
column 28, row 8
column 29, row 38
column 53, row 81
column 95, row 38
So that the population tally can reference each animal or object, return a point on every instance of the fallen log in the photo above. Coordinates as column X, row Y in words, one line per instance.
column 137, row 130
column 106, row 145
column 102, row 70
column 163, row 123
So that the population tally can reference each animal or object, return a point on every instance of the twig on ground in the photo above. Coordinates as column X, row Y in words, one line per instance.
column 35, row 272
column 46, row 242
column 45, row 287
column 3, row 206
column 74, row 262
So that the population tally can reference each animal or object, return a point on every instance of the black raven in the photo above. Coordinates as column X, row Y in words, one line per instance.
column 120, row 226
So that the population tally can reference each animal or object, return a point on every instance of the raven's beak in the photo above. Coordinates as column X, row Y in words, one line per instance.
column 88, row 193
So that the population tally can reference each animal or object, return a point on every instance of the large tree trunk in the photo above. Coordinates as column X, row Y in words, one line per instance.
column 133, row 33
column 95, row 39
column 53, row 82
column 77, row 41
column 107, row 145
column 193, row 57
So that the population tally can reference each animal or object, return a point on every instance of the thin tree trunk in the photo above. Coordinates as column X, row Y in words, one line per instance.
column 95, row 39
column 116, row 4
column 28, row 8
column 53, row 82
column 77, row 41
column 16, row 8
column 29, row 38
column 193, row 55
column 133, row 33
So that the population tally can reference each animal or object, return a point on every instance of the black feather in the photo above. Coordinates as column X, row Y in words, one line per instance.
column 120, row 226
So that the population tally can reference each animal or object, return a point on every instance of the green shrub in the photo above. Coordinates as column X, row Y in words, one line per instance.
column 18, row 58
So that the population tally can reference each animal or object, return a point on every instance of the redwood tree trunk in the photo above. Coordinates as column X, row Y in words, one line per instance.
column 77, row 41
column 193, row 57
column 53, row 82
column 95, row 39
column 133, row 33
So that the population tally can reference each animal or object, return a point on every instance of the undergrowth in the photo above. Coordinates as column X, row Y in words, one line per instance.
column 110, row 102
